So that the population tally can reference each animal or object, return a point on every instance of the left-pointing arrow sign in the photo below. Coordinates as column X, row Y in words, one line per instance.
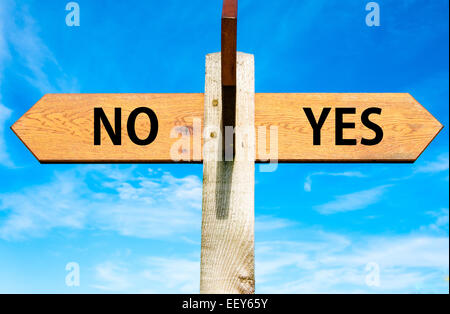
column 111, row 128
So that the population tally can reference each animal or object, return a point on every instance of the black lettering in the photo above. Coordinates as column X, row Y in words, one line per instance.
column 341, row 125
column 132, row 124
column 115, row 135
column 317, row 126
column 373, row 126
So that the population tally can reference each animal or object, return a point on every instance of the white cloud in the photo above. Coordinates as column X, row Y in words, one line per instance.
column 42, row 69
column 322, row 263
column 439, row 165
column 20, row 33
column 4, row 50
column 307, row 185
column 441, row 223
column 149, row 205
column 112, row 277
column 330, row 263
column 353, row 201
column 270, row 223
column 149, row 275
column 5, row 114
column 179, row 274
column 131, row 204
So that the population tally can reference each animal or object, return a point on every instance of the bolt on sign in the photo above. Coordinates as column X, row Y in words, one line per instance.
column 228, row 128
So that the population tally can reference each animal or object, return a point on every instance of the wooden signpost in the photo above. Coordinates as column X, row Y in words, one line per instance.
column 195, row 128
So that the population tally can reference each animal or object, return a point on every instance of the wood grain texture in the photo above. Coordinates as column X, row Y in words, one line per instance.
column 59, row 128
column 408, row 127
column 227, row 256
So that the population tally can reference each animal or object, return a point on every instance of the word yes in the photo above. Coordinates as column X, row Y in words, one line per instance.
column 340, row 125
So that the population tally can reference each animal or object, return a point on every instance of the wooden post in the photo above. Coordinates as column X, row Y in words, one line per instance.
column 227, row 256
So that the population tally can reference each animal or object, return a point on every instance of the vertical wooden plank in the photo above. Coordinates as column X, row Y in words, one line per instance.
column 229, row 42
column 227, row 257
column 228, row 60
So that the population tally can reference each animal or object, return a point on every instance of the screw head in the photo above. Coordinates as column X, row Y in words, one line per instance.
column 215, row 102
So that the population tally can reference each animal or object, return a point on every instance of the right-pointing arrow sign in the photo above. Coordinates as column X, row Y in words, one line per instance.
column 346, row 127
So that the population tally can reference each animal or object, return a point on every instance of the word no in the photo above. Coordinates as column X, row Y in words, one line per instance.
column 116, row 135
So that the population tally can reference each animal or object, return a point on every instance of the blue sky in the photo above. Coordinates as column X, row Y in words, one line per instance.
column 136, row 228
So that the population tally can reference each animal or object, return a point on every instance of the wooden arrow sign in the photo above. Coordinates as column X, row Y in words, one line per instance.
column 357, row 128
column 145, row 128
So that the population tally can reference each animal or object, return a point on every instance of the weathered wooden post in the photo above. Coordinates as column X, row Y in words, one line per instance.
column 227, row 257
